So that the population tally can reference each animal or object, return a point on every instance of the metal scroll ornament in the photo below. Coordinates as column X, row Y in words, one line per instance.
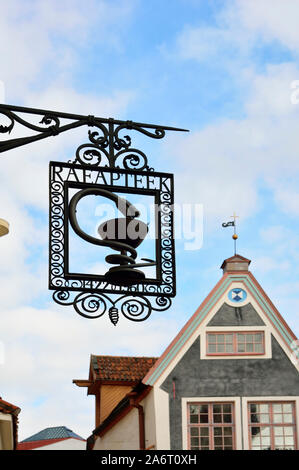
column 106, row 166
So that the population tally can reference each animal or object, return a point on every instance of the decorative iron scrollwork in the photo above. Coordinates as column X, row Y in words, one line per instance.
column 94, row 295
column 109, row 157
column 93, row 305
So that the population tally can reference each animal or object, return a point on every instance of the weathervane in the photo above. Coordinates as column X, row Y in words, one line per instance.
column 108, row 167
column 232, row 223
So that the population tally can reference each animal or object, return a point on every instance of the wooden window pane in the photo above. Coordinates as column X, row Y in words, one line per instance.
column 253, row 408
column 255, row 440
column 278, row 430
column 287, row 407
column 227, row 431
column 277, row 418
column 228, row 441
column 265, row 440
column 217, row 408
column 289, row 441
column 204, row 431
column 278, row 440
column 264, row 408
column 204, row 418
column 265, row 418
column 227, row 408
column 227, row 418
column 288, row 418
column 204, row 409
column 212, row 348
column 193, row 419
column 194, row 409
column 255, row 431
column 217, row 418
column 265, row 431
column 218, row 441
column 288, row 431
column 204, row 441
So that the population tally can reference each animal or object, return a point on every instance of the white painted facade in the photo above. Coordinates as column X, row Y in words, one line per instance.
column 66, row 444
column 6, row 432
column 123, row 436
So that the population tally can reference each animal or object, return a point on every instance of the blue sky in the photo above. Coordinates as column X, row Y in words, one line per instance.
column 223, row 70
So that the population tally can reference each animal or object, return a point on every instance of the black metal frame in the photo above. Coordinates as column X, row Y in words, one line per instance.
column 109, row 153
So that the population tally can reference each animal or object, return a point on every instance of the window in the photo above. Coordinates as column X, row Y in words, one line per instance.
column 211, row 426
column 272, row 426
column 237, row 343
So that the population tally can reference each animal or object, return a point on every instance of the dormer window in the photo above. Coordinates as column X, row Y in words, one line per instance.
column 235, row 343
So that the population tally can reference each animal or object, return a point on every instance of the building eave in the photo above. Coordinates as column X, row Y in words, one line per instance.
column 122, row 409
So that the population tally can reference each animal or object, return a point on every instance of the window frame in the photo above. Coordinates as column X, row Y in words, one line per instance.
column 271, row 423
column 210, row 424
column 235, row 352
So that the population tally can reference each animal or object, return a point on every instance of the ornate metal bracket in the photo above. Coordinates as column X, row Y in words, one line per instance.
column 105, row 141
column 106, row 165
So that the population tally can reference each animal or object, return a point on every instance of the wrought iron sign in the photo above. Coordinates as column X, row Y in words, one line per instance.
column 108, row 168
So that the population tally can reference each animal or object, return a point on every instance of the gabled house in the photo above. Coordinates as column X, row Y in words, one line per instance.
column 8, row 425
column 228, row 380
column 55, row 438
column 113, row 380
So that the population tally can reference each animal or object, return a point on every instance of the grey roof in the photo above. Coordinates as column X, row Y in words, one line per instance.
column 58, row 432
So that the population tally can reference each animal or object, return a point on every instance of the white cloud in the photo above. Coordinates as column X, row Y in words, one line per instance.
column 272, row 19
column 240, row 26
column 288, row 199
column 40, row 41
column 264, row 264
column 228, row 159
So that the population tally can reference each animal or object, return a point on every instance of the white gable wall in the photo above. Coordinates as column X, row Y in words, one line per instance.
column 66, row 444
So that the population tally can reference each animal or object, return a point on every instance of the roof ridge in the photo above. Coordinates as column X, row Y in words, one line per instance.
column 51, row 433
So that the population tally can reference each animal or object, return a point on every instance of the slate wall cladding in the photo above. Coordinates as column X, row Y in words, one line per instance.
column 236, row 316
column 195, row 377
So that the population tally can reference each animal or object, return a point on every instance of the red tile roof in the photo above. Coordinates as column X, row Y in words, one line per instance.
column 121, row 368
column 8, row 408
